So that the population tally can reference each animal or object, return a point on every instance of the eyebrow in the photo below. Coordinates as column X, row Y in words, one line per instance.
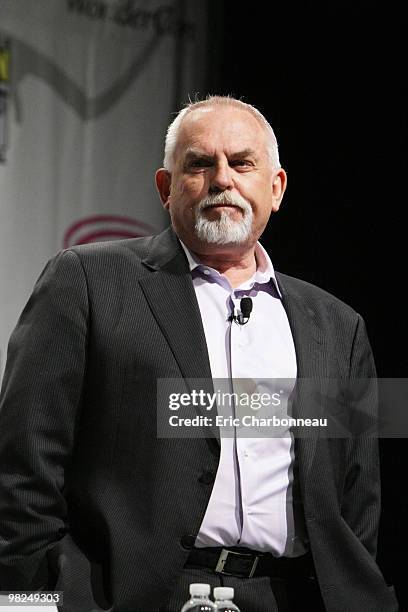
column 197, row 153
column 244, row 153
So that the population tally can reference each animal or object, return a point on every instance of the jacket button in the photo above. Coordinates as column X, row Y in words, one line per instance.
column 207, row 477
column 188, row 541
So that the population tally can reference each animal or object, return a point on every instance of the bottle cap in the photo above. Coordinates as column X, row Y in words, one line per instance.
column 200, row 589
column 223, row 593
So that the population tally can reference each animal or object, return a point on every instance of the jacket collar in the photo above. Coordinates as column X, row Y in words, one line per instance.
column 163, row 250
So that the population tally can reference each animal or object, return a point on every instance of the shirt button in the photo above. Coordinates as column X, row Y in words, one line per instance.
column 207, row 477
column 246, row 454
column 188, row 541
column 207, row 272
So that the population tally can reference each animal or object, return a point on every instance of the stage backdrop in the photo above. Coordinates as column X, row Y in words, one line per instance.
column 87, row 89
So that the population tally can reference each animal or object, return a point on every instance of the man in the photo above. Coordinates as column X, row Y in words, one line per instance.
column 92, row 502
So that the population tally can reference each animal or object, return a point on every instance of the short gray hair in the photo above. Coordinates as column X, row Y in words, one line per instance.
column 214, row 101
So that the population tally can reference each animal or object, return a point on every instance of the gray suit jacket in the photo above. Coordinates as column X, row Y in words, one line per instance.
column 91, row 501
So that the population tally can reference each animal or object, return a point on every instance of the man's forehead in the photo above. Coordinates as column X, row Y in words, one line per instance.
column 204, row 127
column 206, row 116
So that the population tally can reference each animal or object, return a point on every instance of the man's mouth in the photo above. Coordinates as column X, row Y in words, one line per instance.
column 222, row 205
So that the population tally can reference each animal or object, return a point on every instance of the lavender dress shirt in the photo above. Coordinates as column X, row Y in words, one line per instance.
column 251, row 503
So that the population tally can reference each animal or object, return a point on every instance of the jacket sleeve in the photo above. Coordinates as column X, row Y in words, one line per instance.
column 39, row 409
column 362, row 494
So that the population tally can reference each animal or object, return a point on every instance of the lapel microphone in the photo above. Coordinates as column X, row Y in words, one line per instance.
column 246, row 309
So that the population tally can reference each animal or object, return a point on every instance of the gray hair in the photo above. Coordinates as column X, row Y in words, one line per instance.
column 214, row 101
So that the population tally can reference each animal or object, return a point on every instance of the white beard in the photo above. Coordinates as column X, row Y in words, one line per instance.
column 223, row 230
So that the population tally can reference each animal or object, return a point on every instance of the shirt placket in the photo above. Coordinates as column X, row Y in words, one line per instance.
column 239, row 370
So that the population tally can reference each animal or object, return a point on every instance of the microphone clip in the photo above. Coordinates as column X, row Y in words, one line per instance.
column 246, row 308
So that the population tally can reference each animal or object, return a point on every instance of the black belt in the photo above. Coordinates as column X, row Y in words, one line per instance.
column 245, row 563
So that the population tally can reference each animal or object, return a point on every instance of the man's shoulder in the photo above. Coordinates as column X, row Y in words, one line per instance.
column 157, row 248
column 138, row 247
column 119, row 261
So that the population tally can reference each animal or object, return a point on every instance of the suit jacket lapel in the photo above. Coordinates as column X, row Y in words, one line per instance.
column 170, row 293
column 312, row 368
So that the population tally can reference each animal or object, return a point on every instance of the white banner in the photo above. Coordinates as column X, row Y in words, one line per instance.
column 87, row 89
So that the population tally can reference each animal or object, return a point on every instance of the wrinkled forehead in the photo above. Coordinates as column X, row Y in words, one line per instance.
column 226, row 128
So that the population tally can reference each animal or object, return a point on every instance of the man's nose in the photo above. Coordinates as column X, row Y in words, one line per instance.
column 221, row 178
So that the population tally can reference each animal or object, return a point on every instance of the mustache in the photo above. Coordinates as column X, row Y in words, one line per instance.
column 226, row 198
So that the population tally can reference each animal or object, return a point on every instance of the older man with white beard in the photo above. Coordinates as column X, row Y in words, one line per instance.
column 92, row 502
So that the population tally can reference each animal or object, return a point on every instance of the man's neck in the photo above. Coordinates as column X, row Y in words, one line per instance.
column 237, row 268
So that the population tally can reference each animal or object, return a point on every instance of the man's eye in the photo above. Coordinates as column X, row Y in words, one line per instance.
column 199, row 163
column 240, row 162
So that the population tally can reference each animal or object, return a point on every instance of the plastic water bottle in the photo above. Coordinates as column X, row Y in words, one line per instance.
column 223, row 599
column 200, row 599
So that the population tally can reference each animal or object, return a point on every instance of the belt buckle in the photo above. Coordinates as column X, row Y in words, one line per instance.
column 222, row 559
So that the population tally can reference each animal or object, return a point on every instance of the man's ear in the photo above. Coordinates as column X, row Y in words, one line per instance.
column 279, row 183
column 163, row 184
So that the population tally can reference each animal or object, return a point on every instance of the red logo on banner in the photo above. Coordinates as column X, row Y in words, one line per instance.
column 99, row 228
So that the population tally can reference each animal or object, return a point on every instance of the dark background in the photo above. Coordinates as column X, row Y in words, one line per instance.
column 331, row 79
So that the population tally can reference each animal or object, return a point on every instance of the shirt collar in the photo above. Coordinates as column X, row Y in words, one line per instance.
column 264, row 268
